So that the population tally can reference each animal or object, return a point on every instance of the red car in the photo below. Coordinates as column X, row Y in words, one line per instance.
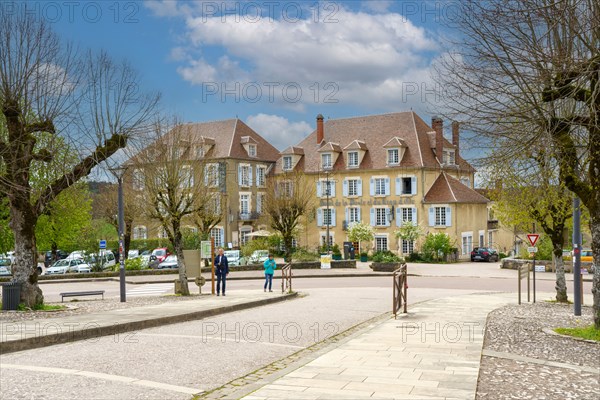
column 160, row 253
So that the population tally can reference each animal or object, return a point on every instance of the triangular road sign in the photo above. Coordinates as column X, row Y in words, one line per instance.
column 533, row 238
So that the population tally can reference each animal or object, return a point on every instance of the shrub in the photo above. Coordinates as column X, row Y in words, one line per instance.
column 436, row 246
column 134, row 264
column 302, row 254
column 414, row 257
column 386, row 256
column 259, row 243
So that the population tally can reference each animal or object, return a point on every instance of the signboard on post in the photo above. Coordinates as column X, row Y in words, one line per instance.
column 532, row 249
column 205, row 249
column 103, row 245
column 533, row 238
column 325, row 261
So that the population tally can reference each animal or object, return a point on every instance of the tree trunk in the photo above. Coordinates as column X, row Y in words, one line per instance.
column 595, row 228
column 178, row 247
column 559, row 265
column 287, row 243
column 23, row 223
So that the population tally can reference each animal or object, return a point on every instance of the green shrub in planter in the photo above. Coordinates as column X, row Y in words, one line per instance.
column 364, row 256
column 385, row 257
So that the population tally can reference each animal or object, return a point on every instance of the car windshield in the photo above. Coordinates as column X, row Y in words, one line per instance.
column 4, row 261
column 159, row 252
column 61, row 263
column 171, row 258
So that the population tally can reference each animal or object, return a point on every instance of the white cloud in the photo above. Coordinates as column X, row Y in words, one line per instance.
column 369, row 57
column 279, row 131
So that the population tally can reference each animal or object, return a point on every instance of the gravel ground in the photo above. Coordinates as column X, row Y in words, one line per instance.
column 520, row 330
column 92, row 306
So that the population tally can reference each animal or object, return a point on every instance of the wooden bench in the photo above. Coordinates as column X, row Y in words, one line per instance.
column 84, row 293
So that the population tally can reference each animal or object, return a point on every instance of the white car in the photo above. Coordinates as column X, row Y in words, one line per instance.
column 170, row 262
column 259, row 256
column 64, row 266
column 233, row 257
column 76, row 255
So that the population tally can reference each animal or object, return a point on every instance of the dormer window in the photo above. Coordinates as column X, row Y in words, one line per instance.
column 449, row 157
column 326, row 162
column 252, row 150
column 200, row 152
column 352, row 159
column 393, row 156
column 287, row 163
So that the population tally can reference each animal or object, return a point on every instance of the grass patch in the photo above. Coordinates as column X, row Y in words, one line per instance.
column 553, row 301
column 41, row 307
column 588, row 332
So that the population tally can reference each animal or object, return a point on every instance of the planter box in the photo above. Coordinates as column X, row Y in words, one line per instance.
column 513, row 263
column 385, row 267
column 364, row 258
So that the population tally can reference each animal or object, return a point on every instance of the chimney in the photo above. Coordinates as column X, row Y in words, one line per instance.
column 320, row 132
column 438, row 126
column 456, row 136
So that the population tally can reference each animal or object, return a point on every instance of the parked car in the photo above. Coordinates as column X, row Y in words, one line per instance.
column 76, row 255
column 5, row 264
column 133, row 254
column 161, row 253
column 484, row 254
column 59, row 267
column 105, row 259
column 586, row 255
column 169, row 262
column 49, row 259
column 79, row 266
column 259, row 256
column 233, row 257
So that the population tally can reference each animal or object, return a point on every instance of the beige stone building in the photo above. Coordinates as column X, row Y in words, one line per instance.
column 235, row 162
column 384, row 170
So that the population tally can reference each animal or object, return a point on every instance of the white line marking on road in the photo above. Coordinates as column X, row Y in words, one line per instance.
column 150, row 289
column 108, row 377
column 224, row 340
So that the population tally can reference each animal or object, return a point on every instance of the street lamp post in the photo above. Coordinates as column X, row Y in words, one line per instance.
column 118, row 172
column 327, row 190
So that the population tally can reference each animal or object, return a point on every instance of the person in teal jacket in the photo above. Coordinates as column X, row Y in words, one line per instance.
column 270, row 267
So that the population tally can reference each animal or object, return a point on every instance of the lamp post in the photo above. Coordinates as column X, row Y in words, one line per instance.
column 327, row 192
column 119, row 172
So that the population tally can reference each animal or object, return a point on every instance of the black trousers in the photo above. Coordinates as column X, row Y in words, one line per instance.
column 221, row 280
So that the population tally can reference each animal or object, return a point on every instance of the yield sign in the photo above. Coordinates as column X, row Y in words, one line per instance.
column 533, row 238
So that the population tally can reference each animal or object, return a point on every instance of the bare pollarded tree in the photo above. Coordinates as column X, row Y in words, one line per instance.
column 174, row 189
column 48, row 87
column 528, row 72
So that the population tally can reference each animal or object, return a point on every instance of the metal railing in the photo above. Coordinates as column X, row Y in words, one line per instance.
column 400, row 290
column 286, row 278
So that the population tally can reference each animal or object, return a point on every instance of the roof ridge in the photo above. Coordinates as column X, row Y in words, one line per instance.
column 232, row 137
column 371, row 115
column 449, row 186
column 417, row 136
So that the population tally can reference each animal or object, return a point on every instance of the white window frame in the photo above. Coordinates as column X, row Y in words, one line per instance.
column 466, row 243
column 350, row 191
column 351, row 155
column 137, row 177
column 440, row 216
column 407, row 246
column 377, row 186
column 328, row 165
column 140, row 232
column 244, row 232
column 449, row 157
column 353, row 214
column 186, row 177
column 378, row 216
column 466, row 181
column 245, row 198
column 391, row 158
column 381, row 237
column 261, row 175
column 327, row 216
column 217, row 233
column 252, row 150
column 211, row 175
column 245, row 172
column 286, row 163
column 407, row 214
column 324, row 236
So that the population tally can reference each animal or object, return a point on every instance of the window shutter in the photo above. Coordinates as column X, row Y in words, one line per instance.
column 332, row 188
column 239, row 174
column 346, row 215
column 332, row 216
column 222, row 235
column 413, row 185
column 359, row 187
column 431, row 216
column 319, row 217
column 414, row 216
column 398, row 186
column 250, row 175
column 358, row 214
column 388, row 216
column 372, row 187
column 387, row 186
column 345, row 188
column 319, row 189
column 372, row 216
column 398, row 216
column 448, row 216
column 206, row 173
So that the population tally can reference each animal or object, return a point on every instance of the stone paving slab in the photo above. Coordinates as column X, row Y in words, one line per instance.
column 22, row 335
column 433, row 352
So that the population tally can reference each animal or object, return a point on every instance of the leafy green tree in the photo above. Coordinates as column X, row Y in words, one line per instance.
column 436, row 246
column 360, row 232
column 66, row 219
column 7, row 240
column 409, row 231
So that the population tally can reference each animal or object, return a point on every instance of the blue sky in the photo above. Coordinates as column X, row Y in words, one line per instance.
column 273, row 64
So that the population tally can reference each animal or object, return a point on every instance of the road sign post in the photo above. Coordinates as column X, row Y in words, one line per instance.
column 533, row 238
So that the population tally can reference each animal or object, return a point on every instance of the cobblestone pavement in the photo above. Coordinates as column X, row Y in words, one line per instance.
column 523, row 360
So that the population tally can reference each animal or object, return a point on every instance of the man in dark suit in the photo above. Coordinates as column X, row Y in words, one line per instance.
column 221, row 270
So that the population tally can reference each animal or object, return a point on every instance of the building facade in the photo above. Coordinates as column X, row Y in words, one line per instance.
column 385, row 170
column 235, row 162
